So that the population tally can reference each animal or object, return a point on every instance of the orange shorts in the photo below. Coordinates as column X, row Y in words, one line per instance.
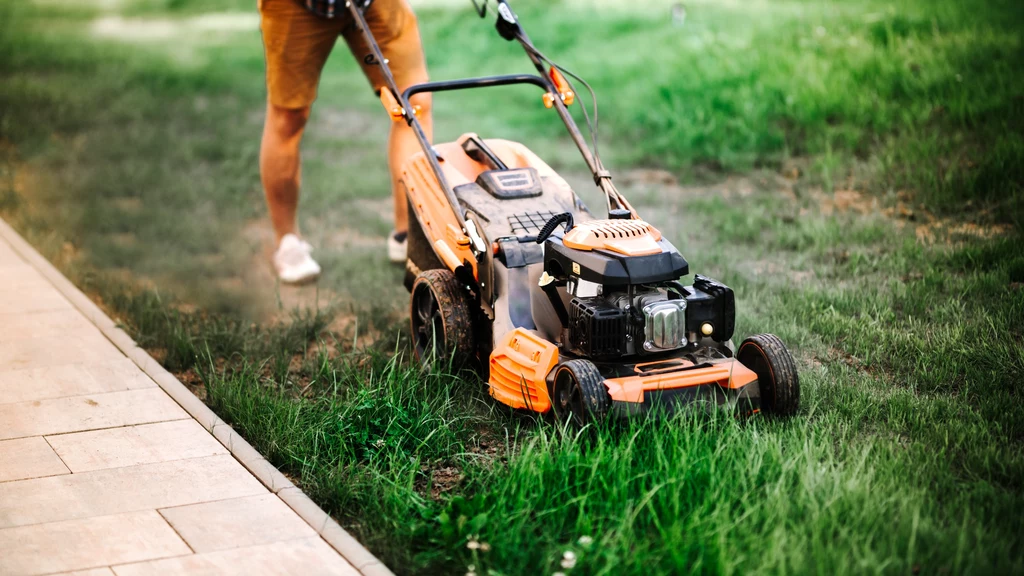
column 298, row 42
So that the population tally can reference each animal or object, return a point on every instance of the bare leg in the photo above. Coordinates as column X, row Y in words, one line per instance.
column 402, row 144
column 280, row 165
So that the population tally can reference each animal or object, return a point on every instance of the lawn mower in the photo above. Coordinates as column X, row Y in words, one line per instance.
column 558, row 309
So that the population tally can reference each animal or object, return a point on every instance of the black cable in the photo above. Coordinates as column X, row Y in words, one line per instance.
column 550, row 225
column 591, row 127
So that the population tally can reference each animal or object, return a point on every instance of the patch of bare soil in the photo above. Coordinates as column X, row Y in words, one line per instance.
column 259, row 280
column 660, row 196
column 343, row 238
column 276, row 302
column 951, row 233
column 931, row 229
column 443, row 479
column 191, row 379
column 665, row 184
column 844, row 201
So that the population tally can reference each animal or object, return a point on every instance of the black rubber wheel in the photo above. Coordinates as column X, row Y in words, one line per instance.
column 442, row 326
column 579, row 394
column 779, row 383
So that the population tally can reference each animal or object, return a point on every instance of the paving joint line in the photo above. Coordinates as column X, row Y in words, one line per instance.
column 329, row 530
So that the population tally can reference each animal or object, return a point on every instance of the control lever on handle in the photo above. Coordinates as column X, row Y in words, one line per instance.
column 508, row 22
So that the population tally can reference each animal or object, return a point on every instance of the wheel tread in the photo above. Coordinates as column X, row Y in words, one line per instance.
column 785, row 385
column 595, row 393
column 458, row 320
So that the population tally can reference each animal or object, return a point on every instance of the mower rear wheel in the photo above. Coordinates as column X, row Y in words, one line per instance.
column 442, row 325
column 579, row 394
column 777, row 378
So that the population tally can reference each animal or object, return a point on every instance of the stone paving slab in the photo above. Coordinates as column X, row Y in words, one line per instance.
column 116, row 490
column 103, row 540
column 10, row 258
column 93, row 572
column 26, row 297
column 21, row 275
column 87, row 412
column 109, row 465
column 45, row 324
column 306, row 557
column 134, row 445
column 31, row 384
column 29, row 458
column 236, row 523
column 57, row 351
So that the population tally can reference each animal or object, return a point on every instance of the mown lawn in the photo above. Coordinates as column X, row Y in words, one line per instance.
column 852, row 169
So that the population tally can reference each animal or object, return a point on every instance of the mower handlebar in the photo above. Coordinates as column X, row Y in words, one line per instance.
column 481, row 82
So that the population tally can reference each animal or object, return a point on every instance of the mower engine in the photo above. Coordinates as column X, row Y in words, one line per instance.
column 625, row 299
column 642, row 320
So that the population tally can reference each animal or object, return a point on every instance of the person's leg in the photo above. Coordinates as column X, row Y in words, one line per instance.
column 393, row 24
column 297, row 44
column 280, row 166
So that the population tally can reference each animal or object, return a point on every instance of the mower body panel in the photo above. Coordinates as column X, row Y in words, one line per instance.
column 509, row 210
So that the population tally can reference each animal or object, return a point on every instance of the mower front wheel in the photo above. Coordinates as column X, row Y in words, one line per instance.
column 579, row 395
column 442, row 325
column 777, row 378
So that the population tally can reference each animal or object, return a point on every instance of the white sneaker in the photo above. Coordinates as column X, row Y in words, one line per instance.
column 397, row 247
column 293, row 263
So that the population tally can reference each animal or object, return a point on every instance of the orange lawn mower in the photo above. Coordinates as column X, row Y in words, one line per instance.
column 560, row 310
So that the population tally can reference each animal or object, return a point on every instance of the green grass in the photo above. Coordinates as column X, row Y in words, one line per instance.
column 906, row 456
column 927, row 93
column 132, row 164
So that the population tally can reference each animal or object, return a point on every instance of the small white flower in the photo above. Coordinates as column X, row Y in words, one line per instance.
column 558, row 574
column 568, row 560
column 585, row 541
column 485, row 547
column 473, row 545
column 470, row 573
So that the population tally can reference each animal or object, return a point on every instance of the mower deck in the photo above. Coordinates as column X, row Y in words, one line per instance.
column 669, row 385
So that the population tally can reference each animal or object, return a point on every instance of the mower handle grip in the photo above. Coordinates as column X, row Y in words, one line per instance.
column 480, row 82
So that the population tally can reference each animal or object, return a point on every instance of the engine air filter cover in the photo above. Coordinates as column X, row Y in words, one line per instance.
column 597, row 328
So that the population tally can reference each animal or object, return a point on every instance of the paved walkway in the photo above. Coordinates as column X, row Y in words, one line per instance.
column 108, row 465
